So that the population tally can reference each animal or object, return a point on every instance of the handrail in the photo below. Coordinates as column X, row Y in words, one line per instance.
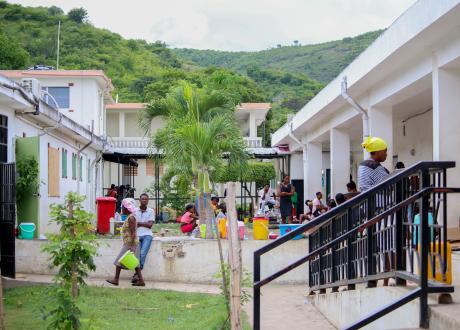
column 360, row 228
column 354, row 201
column 387, row 187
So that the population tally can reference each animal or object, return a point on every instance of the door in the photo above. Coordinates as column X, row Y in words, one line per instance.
column 7, row 219
column 298, row 185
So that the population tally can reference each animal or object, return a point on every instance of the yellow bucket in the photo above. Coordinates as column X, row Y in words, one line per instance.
column 129, row 260
column 260, row 226
column 246, row 220
column 222, row 225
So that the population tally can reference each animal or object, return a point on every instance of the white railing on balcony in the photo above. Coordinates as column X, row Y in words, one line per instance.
column 140, row 142
column 254, row 142
column 130, row 142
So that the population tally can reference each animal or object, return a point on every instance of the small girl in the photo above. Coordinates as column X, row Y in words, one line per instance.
column 188, row 220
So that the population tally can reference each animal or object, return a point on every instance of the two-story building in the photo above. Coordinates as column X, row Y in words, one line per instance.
column 407, row 84
column 129, row 146
column 57, row 118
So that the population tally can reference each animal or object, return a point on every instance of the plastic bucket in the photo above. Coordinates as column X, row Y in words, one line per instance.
column 222, row 225
column 240, row 229
column 129, row 260
column 260, row 226
column 27, row 230
column 203, row 230
column 284, row 229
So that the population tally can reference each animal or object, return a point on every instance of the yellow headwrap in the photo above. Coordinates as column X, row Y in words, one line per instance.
column 372, row 144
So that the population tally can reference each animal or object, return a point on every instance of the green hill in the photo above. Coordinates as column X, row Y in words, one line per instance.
column 321, row 62
column 142, row 71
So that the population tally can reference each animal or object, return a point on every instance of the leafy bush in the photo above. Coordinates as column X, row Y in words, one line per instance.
column 27, row 182
column 71, row 251
column 258, row 172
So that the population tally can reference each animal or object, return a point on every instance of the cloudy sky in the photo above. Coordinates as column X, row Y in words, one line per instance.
column 236, row 24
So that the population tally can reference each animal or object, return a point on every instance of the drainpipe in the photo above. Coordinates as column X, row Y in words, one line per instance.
column 296, row 140
column 78, row 157
column 357, row 107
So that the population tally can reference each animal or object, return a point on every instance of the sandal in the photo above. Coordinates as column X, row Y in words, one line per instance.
column 112, row 282
column 135, row 279
column 138, row 283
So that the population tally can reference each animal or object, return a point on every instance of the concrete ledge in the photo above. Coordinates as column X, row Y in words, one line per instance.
column 344, row 308
column 175, row 259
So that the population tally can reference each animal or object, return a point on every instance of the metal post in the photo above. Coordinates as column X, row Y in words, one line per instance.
column 400, row 235
column 424, row 245
column 350, row 253
column 256, row 302
column 370, row 242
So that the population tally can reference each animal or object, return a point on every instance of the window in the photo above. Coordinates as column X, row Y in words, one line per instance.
column 129, row 170
column 149, row 167
column 81, row 169
column 74, row 166
column 3, row 139
column 64, row 163
column 60, row 94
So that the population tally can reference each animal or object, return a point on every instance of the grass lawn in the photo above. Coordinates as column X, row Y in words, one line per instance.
column 107, row 308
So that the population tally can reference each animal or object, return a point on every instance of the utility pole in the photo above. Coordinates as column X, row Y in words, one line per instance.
column 58, row 36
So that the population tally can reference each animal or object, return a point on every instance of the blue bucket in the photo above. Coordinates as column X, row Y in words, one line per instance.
column 284, row 229
column 27, row 230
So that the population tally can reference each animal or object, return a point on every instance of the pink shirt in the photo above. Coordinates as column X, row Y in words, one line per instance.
column 187, row 217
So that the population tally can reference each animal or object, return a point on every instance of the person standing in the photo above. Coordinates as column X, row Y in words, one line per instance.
column 112, row 192
column 130, row 242
column 285, row 191
column 145, row 218
column 371, row 172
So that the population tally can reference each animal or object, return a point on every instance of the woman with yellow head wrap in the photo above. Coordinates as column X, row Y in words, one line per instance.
column 370, row 171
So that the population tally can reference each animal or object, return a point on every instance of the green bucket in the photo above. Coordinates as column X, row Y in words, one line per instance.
column 27, row 230
column 203, row 230
column 129, row 260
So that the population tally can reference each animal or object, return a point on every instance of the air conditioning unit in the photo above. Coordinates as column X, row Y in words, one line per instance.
column 32, row 85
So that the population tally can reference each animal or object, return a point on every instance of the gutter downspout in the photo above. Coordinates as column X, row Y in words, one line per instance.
column 78, row 158
column 296, row 140
column 357, row 107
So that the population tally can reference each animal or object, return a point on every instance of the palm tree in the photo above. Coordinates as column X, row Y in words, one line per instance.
column 200, row 129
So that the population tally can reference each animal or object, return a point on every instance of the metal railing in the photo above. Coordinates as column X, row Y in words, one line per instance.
column 397, row 229
column 130, row 142
column 253, row 142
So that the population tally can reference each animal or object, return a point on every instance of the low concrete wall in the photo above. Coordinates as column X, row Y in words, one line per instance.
column 344, row 308
column 176, row 259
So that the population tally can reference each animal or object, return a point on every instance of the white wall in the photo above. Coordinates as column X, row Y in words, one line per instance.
column 56, row 140
column 296, row 169
column 417, row 144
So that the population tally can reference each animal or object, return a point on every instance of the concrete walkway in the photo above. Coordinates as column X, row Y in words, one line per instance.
column 283, row 306
column 286, row 307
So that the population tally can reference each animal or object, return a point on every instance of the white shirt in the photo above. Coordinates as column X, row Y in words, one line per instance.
column 316, row 205
column 144, row 216
column 268, row 195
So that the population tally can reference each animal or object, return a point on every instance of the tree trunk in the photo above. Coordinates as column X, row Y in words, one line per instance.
column 201, row 210
column 235, row 259
column 209, row 217
column 223, row 271
column 2, row 314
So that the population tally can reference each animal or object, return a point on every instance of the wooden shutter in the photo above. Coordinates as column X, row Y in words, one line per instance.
column 64, row 163
column 53, row 172
column 149, row 167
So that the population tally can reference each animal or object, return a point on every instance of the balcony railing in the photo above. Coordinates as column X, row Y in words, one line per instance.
column 141, row 142
column 130, row 142
column 253, row 142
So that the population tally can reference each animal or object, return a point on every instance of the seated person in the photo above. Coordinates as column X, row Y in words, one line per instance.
column 222, row 211
column 308, row 215
column 340, row 198
column 188, row 220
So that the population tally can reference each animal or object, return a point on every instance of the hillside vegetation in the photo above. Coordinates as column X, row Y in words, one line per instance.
column 321, row 62
column 141, row 71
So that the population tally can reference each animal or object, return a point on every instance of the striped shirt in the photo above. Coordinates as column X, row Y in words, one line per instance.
column 371, row 173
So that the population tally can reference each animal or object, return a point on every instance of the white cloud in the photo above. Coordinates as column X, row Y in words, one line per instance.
column 236, row 24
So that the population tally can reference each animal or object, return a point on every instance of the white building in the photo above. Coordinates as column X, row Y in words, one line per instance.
column 408, row 82
column 66, row 139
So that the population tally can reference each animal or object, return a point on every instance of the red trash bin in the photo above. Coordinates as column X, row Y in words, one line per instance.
column 105, row 210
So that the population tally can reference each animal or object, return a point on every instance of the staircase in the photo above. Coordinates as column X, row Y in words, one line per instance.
column 396, row 230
